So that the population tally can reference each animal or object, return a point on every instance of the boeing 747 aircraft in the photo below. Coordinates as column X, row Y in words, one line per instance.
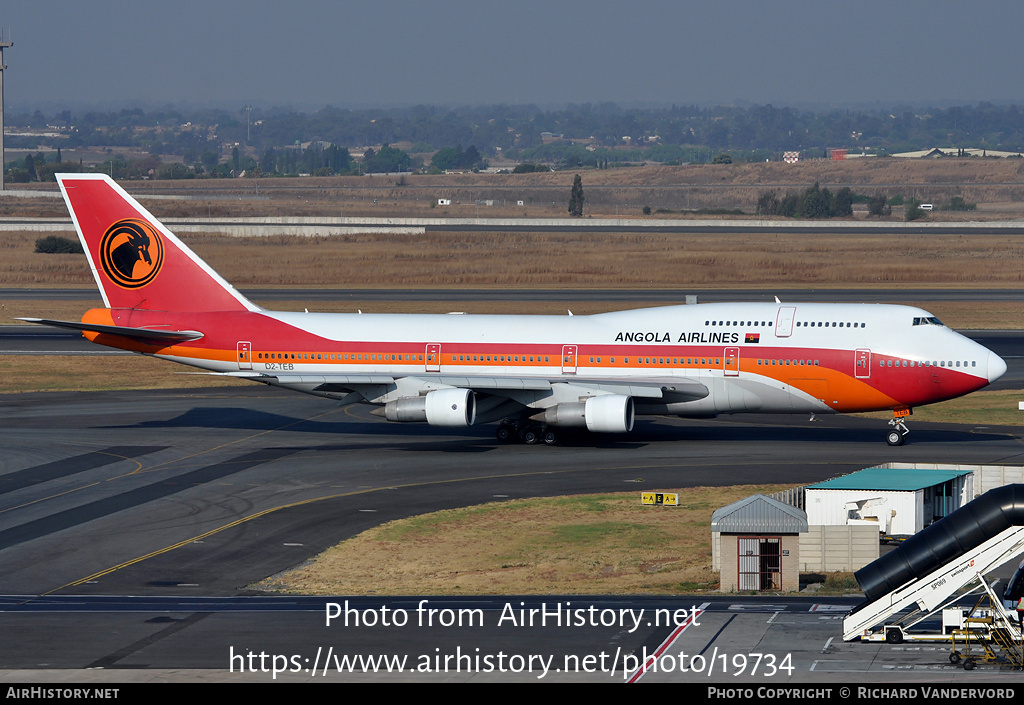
column 533, row 375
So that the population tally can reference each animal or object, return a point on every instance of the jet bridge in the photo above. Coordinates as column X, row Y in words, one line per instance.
column 938, row 566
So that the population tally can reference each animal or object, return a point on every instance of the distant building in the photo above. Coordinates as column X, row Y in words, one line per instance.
column 901, row 501
column 936, row 152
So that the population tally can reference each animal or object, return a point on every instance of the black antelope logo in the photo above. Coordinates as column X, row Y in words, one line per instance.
column 131, row 253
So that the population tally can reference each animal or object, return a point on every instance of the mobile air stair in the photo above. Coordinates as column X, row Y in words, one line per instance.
column 930, row 572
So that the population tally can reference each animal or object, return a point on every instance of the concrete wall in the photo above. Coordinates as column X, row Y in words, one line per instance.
column 827, row 549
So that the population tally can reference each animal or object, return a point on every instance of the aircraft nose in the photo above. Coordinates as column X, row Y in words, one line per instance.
column 996, row 367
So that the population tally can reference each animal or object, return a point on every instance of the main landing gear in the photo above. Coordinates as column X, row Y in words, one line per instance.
column 528, row 432
column 898, row 435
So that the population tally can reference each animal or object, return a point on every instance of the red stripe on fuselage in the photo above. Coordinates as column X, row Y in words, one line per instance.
column 273, row 341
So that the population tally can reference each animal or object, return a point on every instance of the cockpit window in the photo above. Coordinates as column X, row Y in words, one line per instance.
column 927, row 321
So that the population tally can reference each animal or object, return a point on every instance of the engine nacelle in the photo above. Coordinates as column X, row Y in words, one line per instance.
column 451, row 407
column 441, row 407
column 608, row 413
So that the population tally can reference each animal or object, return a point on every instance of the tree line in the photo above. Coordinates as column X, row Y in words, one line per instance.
column 816, row 202
column 529, row 133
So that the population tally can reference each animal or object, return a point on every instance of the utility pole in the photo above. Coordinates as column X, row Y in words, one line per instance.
column 3, row 45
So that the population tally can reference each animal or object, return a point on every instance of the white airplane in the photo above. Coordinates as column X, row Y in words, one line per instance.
column 532, row 374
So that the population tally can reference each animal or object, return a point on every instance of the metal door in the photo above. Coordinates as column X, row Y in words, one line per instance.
column 569, row 359
column 731, row 364
column 862, row 363
column 244, row 355
column 432, row 358
column 784, row 322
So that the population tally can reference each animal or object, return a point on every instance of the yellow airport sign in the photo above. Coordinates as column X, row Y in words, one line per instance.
column 668, row 498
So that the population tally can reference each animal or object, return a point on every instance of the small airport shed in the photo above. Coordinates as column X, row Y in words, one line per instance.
column 756, row 544
column 900, row 501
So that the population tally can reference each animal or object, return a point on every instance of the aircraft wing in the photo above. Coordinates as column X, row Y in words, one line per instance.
column 678, row 388
column 144, row 335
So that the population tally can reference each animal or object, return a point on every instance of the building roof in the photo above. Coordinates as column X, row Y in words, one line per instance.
column 760, row 515
column 890, row 479
column 957, row 151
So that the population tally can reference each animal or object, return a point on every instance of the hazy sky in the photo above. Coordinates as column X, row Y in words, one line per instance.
column 307, row 54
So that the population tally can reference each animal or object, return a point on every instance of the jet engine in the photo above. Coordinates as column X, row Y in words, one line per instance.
column 441, row 407
column 608, row 413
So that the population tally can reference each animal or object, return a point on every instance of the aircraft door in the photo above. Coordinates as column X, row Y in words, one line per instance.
column 432, row 358
column 244, row 355
column 862, row 363
column 569, row 359
column 731, row 364
column 784, row 322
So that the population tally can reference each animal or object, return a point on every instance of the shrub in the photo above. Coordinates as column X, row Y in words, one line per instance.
column 57, row 245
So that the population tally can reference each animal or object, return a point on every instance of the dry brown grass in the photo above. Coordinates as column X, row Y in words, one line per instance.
column 606, row 544
column 49, row 373
column 574, row 260
column 983, row 409
column 608, row 192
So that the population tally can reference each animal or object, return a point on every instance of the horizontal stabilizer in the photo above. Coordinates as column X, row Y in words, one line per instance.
column 145, row 335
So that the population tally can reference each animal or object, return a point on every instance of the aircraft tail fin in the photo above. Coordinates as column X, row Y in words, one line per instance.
column 137, row 262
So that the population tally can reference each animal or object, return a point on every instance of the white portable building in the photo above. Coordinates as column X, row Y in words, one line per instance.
column 901, row 500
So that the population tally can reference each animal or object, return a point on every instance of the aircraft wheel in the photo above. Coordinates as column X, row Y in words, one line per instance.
column 893, row 636
column 531, row 436
column 550, row 438
column 504, row 434
column 895, row 438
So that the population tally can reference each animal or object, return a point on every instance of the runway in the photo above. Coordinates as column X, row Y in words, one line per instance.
column 190, row 496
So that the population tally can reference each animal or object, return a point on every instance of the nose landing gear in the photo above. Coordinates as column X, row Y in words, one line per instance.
column 898, row 435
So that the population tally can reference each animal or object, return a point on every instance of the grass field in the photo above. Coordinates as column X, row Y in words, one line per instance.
column 636, row 261
column 593, row 544
column 608, row 192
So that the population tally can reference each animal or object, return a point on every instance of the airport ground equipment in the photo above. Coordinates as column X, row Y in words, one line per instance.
column 939, row 566
column 986, row 631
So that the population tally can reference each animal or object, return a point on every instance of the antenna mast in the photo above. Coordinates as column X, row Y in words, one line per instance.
column 3, row 45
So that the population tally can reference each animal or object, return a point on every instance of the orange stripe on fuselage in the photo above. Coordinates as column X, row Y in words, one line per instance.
column 885, row 387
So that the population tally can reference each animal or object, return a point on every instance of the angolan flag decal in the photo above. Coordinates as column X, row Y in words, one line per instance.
column 753, row 338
